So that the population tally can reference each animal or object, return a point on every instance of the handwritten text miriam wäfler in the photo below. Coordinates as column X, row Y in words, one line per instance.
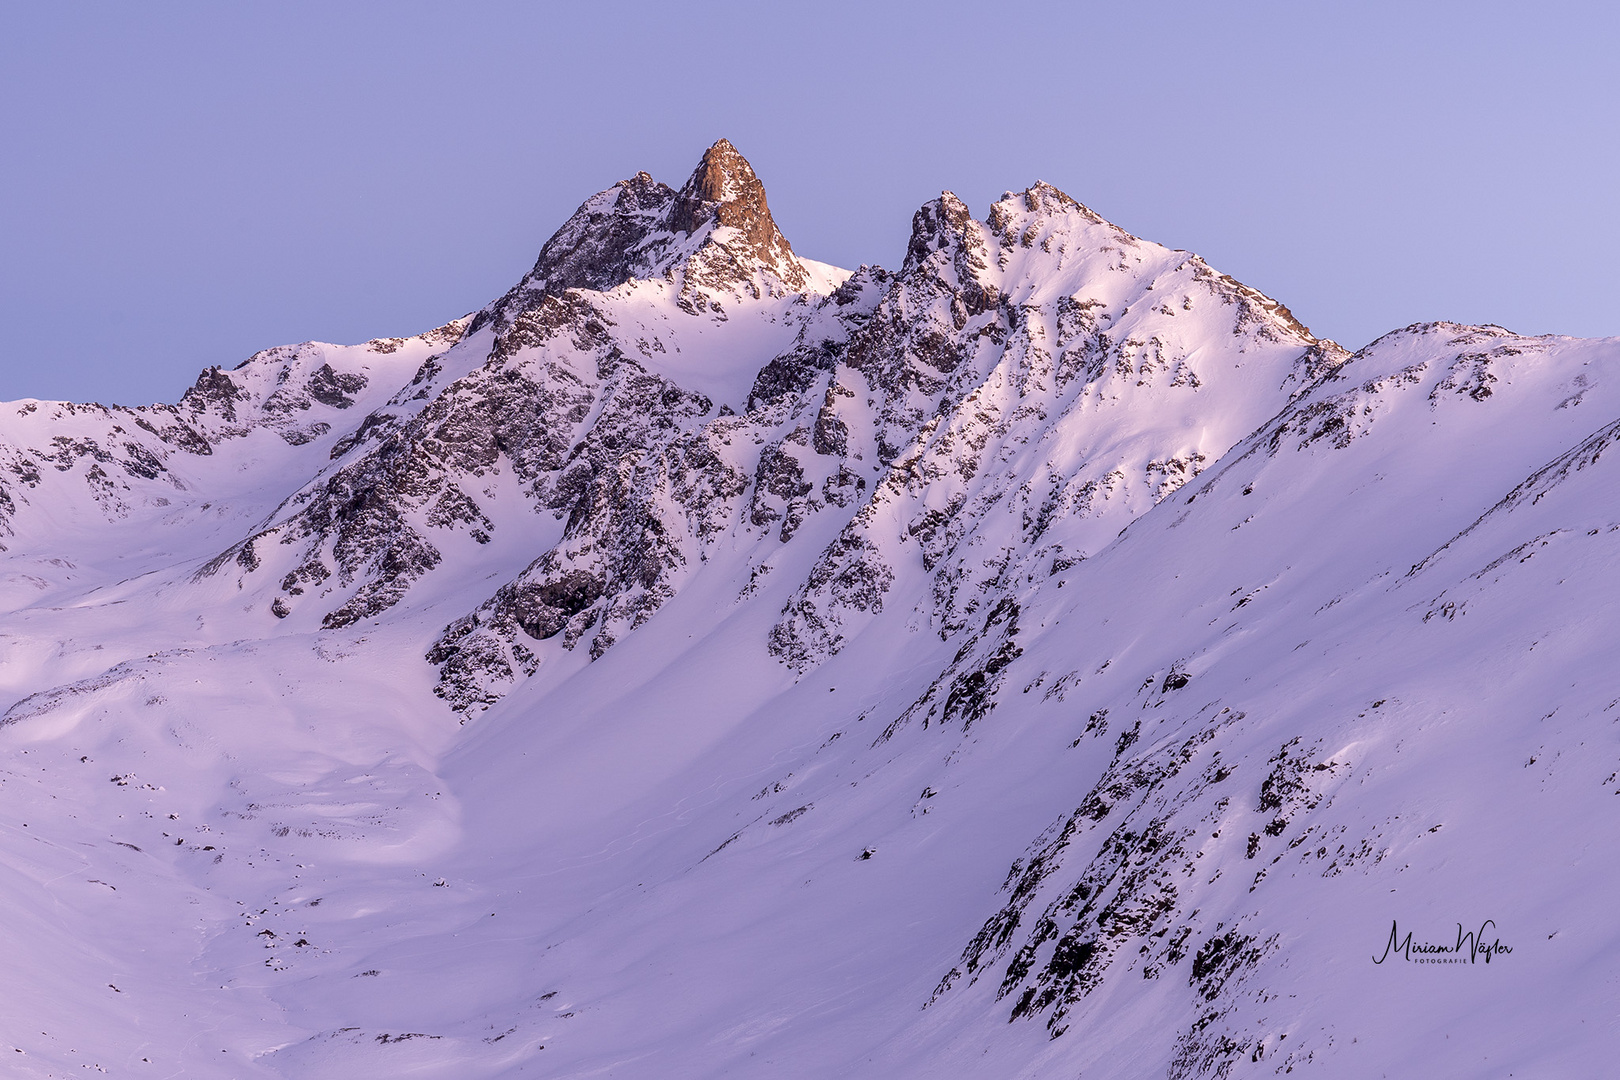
column 1471, row 947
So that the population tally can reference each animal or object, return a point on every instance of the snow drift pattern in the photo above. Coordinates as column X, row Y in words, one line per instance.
column 351, row 689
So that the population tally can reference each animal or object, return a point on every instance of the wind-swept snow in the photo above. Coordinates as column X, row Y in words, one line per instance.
column 1045, row 659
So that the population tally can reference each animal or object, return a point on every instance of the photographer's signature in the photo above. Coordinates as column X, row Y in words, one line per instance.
column 1471, row 946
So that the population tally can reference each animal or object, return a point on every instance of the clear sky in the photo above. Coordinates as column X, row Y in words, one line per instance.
column 182, row 184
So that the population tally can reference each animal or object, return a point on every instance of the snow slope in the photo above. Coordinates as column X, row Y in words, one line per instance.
column 1044, row 659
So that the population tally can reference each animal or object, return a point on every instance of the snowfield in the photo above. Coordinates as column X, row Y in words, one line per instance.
column 1045, row 659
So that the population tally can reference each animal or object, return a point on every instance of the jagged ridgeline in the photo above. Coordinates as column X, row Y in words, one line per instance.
column 671, row 380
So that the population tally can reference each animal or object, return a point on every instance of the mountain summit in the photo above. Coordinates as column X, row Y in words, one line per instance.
column 716, row 235
column 724, row 193
column 1045, row 658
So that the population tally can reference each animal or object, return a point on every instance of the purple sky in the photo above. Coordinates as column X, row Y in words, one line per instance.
column 186, row 183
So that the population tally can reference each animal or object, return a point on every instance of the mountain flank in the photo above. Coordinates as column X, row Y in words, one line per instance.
column 1043, row 657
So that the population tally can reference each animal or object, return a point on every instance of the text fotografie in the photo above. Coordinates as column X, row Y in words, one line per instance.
column 1471, row 946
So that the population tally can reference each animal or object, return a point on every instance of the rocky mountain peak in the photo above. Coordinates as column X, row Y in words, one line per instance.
column 946, row 222
column 724, row 190
column 1056, row 509
column 640, row 228
column 722, row 175
column 934, row 226
column 1043, row 199
column 598, row 247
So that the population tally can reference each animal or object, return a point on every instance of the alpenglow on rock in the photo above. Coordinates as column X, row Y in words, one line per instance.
column 1044, row 658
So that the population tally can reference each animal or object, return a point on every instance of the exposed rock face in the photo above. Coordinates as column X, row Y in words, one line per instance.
column 919, row 411
column 1060, row 528
column 957, row 427
column 600, row 246
column 132, row 461
column 724, row 193
column 715, row 234
column 990, row 341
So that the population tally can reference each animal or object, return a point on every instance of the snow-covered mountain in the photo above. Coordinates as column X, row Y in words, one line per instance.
column 1047, row 658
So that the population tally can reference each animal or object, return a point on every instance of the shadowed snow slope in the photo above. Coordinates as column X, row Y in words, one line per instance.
column 1045, row 659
